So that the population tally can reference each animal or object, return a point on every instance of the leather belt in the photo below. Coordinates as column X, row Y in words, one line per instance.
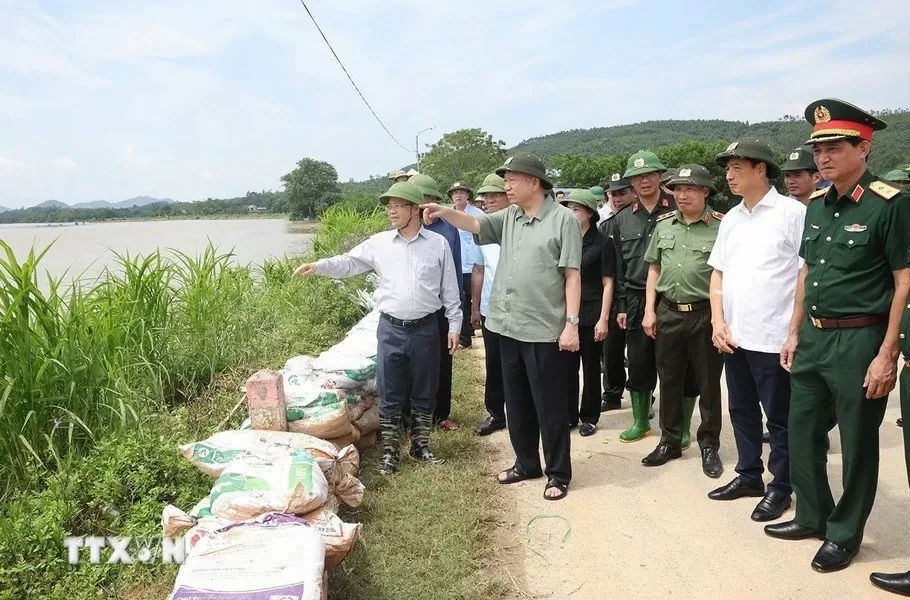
column 410, row 323
column 691, row 307
column 847, row 322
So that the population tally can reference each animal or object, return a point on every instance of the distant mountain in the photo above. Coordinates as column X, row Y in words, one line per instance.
column 137, row 201
column 3, row 209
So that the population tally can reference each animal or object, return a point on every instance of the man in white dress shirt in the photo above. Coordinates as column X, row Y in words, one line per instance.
column 416, row 278
column 756, row 263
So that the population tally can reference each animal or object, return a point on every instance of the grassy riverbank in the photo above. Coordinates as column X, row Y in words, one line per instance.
column 98, row 389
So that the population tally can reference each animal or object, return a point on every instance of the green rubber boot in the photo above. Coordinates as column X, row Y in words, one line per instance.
column 641, row 428
column 688, row 403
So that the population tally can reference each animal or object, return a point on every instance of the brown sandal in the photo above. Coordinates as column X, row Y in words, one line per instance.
column 513, row 475
column 551, row 484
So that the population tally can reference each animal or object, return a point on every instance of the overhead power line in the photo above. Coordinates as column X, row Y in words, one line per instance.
column 351, row 79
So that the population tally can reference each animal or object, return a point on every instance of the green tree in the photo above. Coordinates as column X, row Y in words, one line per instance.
column 310, row 188
column 465, row 155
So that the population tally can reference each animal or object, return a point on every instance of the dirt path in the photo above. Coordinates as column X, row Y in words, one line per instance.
column 637, row 532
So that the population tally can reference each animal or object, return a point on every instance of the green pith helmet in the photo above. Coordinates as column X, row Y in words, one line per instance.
column 529, row 165
column 668, row 175
column 897, row 175
column 396, row 174
column 598, row 193
column 459, row 185
column 427, row 185
column 800, row 159
column 753, row 149
column 618, row 182
column 403, row 191
column 586, row 199
column 642, row 163
column 834, row 119
column 492, row 184
column 692, row 175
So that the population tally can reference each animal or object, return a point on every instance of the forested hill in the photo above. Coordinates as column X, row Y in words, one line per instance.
column 892, row 146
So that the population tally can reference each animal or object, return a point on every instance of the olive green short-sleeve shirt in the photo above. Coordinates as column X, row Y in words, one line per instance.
column 852, row 243
column 682, row 251
column 528, row 300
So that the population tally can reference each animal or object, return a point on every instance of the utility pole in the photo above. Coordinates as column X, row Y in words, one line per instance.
column 417, row 144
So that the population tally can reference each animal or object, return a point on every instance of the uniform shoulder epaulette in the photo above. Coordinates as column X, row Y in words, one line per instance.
column 819, row 193
column 668, row 215
column 884, row 190
column 717, row 215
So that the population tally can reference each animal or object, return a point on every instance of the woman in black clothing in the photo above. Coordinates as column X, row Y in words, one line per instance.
column 598, row 271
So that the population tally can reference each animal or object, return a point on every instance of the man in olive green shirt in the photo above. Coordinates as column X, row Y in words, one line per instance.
column 842, row 347
column 678, row 317
column 534, row 308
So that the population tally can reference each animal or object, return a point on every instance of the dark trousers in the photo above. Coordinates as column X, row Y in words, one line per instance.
column 467, row 330
column 493, row 396
column 642, row 357
column 588, row 359
column 905, row 412
column 756, row 381
column 829, row 368
column 534, row 381
column 407, row 365
column 444, row 393
column 684, row 344
column 614, row 349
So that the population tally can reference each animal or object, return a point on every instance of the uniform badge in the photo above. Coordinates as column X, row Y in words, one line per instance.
column 732, row 147
column 813, row 226
column 685, row 172
column 639, row 163
column 822, row 114
column 509, row 160
column 855, row 228
column 794, row 156
column 615, row 177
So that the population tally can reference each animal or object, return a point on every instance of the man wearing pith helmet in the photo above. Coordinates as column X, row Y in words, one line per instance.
column 677, row 315
column 842, row 347
column 800, row 174
column 534, row 308
column 632, row 233
column 753, row 286
column 416, row 278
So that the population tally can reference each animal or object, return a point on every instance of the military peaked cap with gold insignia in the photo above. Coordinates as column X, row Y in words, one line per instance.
column 834, row 119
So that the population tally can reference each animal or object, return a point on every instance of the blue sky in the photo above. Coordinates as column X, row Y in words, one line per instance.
column 103, row 100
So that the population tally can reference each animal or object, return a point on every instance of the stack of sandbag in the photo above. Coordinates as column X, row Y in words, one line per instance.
column 365, row 418
column 270, row 556
column 339, row 466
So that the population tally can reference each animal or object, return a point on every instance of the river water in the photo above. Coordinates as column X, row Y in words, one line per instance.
column 82, row 251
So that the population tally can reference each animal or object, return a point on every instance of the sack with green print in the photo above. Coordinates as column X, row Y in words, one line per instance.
column 250, row 486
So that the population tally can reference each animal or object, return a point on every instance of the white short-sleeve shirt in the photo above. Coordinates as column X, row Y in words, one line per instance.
column 758, row 254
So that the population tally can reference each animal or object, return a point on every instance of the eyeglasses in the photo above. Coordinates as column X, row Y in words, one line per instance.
column 396, row 207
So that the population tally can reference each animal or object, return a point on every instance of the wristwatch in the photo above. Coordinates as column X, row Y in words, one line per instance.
column 572, row 320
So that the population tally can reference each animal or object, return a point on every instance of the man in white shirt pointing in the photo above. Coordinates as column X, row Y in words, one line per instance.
column 756, row 264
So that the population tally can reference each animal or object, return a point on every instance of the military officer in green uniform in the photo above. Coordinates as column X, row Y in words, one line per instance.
column 678, row 316
column 899, row 583
column 632, row 232
column 800, row 174
column 842, row 347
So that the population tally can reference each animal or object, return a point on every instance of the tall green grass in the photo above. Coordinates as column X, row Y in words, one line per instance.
column 154, row 332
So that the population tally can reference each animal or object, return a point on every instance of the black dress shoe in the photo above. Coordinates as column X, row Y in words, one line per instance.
column 831, row 557
column 608, row 403
column 739, row 488
column 490, row 425
column 772, row 506
column 766, row 437
column 896, row 583
column 661, row 456
column 587, row 429
column 710, row 463
column 791, row 530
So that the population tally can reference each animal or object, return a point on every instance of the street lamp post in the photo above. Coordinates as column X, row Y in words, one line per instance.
column 417, row 143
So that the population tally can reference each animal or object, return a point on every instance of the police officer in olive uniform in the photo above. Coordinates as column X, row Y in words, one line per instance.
column 800, row 174
column 621, row 196
column 899, row 583
column 632, row 232
column 678, row 316
column 842, row 348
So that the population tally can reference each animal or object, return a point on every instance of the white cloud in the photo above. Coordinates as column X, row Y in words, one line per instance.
column 8, row 164
column 64, row 163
